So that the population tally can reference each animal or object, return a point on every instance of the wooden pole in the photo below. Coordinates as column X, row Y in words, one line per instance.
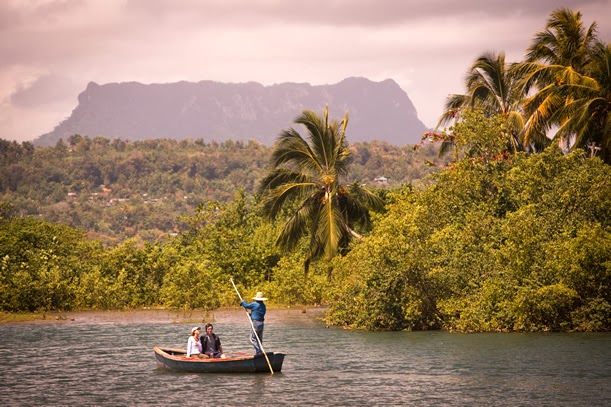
column 253, row 328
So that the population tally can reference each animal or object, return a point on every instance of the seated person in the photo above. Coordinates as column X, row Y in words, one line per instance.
column 211, row 343
column 194, row 345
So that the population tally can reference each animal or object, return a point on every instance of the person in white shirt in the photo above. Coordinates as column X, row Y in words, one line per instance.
column 194, row 345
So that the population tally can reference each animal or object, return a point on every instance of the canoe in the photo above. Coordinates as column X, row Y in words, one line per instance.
column 176, row 359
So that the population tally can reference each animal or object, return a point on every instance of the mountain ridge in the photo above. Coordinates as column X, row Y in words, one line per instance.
column 217, row 111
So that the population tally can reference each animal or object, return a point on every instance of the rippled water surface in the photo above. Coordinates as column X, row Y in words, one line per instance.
column 107, row 359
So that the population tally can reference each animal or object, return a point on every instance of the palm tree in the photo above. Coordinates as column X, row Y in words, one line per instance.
column 559, row 67
column 564, row 41
column 492, row 88
column 584, row 118
column 309, row 173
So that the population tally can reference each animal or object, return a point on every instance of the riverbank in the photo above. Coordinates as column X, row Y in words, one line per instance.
column 152, row 315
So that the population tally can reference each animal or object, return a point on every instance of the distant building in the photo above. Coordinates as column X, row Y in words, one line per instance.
column 381, row 180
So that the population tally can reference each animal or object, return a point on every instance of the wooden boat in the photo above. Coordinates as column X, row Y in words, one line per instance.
column 176, row 359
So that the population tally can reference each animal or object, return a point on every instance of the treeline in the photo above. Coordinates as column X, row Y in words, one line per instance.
column 495, row 243
column 48, row 266
column 117, row 190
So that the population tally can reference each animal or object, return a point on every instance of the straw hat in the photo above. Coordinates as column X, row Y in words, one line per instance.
column 259, row 297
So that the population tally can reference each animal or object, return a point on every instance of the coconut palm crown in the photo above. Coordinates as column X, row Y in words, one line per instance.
column 308, row 173
column 492, row 88
column 567, row 66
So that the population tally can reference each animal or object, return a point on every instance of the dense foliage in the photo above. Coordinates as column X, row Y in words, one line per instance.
column 118, row 190
column 497, row 244
column 46, row 266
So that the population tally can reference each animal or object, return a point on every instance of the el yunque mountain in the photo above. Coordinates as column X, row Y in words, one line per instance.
column 215, row 111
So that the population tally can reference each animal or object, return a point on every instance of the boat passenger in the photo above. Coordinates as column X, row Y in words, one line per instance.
column 211, row 343
column 194, row 345
column 257, row 315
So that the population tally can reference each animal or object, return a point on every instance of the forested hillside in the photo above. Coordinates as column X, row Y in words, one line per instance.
column 117, row 189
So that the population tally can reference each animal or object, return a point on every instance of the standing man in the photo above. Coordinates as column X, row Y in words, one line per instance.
column 257, row 315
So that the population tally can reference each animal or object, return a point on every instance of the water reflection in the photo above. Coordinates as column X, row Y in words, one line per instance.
column 98, row 361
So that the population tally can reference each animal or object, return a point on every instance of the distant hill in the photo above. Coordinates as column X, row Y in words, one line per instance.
column 216, row 111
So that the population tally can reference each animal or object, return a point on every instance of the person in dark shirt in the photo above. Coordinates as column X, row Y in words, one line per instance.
column 211, row 343
column 257, row 315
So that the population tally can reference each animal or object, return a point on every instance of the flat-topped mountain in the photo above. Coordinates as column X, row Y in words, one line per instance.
column 216, row 111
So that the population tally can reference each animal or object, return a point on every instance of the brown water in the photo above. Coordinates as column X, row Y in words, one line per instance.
column 106, row 359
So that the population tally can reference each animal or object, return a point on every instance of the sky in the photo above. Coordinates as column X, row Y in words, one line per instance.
column 51, row 49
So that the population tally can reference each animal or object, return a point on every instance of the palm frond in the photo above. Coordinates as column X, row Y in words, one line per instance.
column 341, row 153
column 541, row 107
column 291, row 148
column 318, row 135
column 296, row 226
column 280, row 176
column 453, row 105
column 331, row 227
column 282, row 185
column 364, row 196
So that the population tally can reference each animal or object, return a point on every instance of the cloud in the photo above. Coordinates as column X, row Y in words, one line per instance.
column 339, row 13
column 44, row 90
column 51, row 49
column 16, row 13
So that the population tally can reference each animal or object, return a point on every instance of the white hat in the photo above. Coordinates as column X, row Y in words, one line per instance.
column 259, row 297
column 195, row 328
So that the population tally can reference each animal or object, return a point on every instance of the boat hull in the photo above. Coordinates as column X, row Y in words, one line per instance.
column 176, row 359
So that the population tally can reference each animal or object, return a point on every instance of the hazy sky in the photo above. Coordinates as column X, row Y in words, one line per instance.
column 51, row 49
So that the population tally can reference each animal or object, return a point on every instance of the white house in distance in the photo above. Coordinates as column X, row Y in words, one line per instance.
column 381, row 180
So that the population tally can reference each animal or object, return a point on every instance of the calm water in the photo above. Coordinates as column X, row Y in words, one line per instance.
column 109, row 362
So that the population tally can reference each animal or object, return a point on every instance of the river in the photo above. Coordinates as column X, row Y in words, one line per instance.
column 106, row 359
